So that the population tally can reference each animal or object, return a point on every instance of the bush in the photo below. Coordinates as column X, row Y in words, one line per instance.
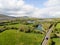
column 37, row 31
column 53, row 36
column 2, row 29
column 14, row 28
column 24, row 28
column 51, row 42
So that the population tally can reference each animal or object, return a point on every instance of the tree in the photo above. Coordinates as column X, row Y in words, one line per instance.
column 53, row 35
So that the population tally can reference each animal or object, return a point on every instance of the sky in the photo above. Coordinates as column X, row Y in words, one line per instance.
column 31, row 8
column 36, row 3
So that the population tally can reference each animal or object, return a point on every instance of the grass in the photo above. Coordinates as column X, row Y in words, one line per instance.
column 58, row 25
column 49, row 42
column 14, row 37
column 57, row 41
column 16, row 25
column 1, row 26
column 46, row 26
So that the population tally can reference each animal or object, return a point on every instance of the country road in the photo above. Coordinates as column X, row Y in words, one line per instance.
column 45, row 41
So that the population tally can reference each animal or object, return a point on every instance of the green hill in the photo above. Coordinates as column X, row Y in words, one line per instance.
column 13, row 37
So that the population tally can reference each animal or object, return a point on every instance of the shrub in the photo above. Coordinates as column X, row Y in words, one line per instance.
column 26, row 29
column 2, row 29
column 37, row 31
column 53, row 36
column 23, row 28
column 51, row 42
column 14, row 28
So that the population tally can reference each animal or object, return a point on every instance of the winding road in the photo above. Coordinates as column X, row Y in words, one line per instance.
column 47, row 37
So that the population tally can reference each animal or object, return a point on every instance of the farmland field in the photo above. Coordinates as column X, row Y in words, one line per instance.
column 58, row 28
column 13, row 33
column 57, row 32
column 22, row 32
column 13, row 37
column 57, row 41
column 58, row 25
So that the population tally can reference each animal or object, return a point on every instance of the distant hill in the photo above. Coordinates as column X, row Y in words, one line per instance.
column 5, row 17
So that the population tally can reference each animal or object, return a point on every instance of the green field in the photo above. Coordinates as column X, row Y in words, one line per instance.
column 57, row 28
column 13, row 37
column 58, row 25
column 57, row 41
column 57, row 32
column 22, row 33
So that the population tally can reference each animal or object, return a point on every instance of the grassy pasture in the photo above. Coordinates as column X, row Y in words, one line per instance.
column 58, row 25
column 57, row 32
column 57, row 41
column 14, row 37
column 57, row 28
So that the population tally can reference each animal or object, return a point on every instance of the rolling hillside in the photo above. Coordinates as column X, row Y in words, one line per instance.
column 5, row 17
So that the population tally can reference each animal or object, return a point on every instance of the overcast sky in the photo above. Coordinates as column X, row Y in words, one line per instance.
column 32, row 8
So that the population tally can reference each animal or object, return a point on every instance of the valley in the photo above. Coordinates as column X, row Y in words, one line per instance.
column 29, row 31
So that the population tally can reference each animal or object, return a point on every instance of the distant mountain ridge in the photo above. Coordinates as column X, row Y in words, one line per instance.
column 4, row 17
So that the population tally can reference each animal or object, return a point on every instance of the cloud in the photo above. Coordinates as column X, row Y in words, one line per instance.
column 51, row 3
column 53, row 8
column 16, row 8
column 20, row 8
